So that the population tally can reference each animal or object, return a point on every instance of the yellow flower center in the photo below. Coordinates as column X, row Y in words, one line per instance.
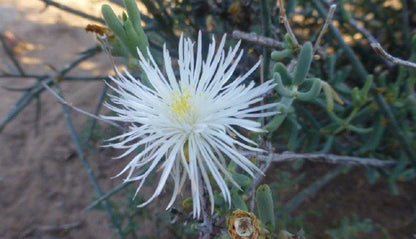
column 181, row 105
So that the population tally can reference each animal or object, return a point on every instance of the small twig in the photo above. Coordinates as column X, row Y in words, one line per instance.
column 85, row 78
column 108, row 195
column 10, row 54
column 59, row 228
column 73, row 11
column 252, row 37
column 325, row 26
column 38, row 88
column 20, row 76
column 363, row 31
column 285, row 21
column 381, row 52
column 86, row 165
column 322, row 158
column 62, row 101
column 18, row 89
column 205, row 227
column 65, row 78
column 368, row 36
column 22, row 102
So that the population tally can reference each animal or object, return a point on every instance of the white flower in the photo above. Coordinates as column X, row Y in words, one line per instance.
column 188, row 128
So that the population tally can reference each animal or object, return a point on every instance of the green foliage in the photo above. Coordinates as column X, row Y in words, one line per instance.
column 265, row 207
column 339, row 98
column 353, row 227
column 128, row 29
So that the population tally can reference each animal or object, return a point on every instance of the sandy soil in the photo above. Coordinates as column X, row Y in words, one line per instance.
column 42, row 182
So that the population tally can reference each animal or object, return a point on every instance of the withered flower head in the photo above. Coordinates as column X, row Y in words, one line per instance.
column 243, row 225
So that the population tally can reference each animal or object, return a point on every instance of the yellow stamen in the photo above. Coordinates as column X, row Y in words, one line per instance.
column 181, row 105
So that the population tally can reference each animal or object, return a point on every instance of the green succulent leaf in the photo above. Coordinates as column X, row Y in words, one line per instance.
column 281, row 55
column 287, row 78
column 313, row 92
column 304, row 63
column 265, row 208
column 280, row 87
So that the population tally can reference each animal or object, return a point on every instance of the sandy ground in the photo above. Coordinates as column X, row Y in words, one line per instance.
column 42, row 182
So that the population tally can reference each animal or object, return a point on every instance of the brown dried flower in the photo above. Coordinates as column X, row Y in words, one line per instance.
column 243, row 225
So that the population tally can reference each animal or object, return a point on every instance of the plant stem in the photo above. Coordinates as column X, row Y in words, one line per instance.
column 206, row 227
column 108, row 195
column 86, row 165
column 323, row 158
column 252, row 37
column 38, row 87
column 285, row 21
column 266, row 29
